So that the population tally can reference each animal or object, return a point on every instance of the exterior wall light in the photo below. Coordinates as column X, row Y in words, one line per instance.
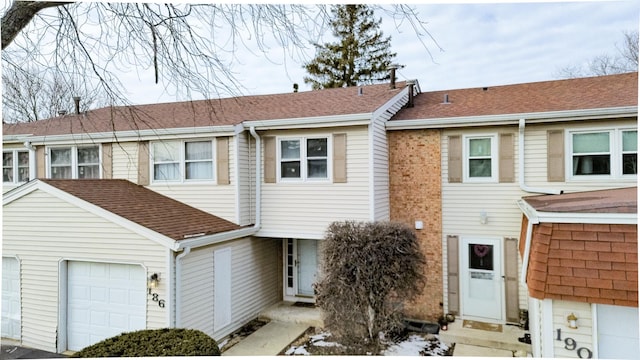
column 572, row 321
column 419, row 225
column 484, row 218
column 154, row 280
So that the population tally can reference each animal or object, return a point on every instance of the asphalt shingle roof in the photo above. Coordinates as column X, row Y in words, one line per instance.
column 216, row 112
column 558, row 95
column 145, row 207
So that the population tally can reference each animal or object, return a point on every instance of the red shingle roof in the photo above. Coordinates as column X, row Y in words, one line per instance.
column 217, row 112
column 145, row 207
column 559, row 95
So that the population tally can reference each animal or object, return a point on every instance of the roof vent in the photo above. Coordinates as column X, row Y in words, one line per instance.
column 360, row 91
column 446, row 99
column 411, row 86
column 62, row 112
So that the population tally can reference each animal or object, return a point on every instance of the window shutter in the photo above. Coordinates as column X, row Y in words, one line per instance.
column 506, row 163
column 222, row 160
column 143, row 163
column 555, row 155
column 269, row 159
column 455, row 159
column 511, row 279
column 41, row 163
column 453, row 279
column 107, row 161
column 340, row 158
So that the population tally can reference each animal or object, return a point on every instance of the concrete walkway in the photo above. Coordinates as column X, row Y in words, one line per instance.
column 269, row 340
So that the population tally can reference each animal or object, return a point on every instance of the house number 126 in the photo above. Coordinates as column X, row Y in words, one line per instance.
column 571, row 344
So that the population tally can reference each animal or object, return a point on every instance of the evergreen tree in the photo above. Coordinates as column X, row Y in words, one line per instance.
column 360, row 56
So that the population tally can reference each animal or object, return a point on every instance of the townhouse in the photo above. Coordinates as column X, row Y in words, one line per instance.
column 524, row 198
column 196, row 214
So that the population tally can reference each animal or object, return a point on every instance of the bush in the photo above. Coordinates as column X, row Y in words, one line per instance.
column 370, row 269
column 161, row 342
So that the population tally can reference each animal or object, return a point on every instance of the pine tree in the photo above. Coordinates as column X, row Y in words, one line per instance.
column 360, row 56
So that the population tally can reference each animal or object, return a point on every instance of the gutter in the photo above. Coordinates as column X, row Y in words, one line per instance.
column 32, row 159
column 310, row 122
column 524, row 186
column 512, row 119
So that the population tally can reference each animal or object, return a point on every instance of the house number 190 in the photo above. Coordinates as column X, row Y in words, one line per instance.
column 571, row 344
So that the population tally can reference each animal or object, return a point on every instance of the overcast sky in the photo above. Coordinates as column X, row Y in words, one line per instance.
column 482, row 45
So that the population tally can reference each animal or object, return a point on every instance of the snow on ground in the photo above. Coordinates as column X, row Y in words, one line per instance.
column 414, row 345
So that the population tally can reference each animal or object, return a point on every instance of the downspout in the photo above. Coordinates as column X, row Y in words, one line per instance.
column 523, row 186
column 184, row 253
column 255, row 135
column 32, row 159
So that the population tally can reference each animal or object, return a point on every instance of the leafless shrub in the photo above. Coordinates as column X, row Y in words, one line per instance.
column 369, row 269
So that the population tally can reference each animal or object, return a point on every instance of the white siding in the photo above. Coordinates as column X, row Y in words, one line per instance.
column 583, row 335
column 125, row 161
column 41, row 249
column 254, row 284
column 245, row 164
column 219, row 200
column 305, row 209
column 463, row 202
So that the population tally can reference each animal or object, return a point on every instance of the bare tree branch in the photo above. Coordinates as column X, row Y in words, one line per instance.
column 20, row 15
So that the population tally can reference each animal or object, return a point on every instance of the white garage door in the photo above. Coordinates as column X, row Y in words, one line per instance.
column 104, row 300
column 10, row 298
column 617, row 332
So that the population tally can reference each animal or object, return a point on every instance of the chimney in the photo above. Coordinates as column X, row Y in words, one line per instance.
column 295, row 87
column 76, row 100
column 392, row 75
column 410, row 85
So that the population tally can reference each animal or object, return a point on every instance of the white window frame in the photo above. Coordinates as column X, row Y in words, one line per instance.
column 74, row 159
column 15, row 166
column 304, row 176
column 494, row 158
column 615, row 154
column 182, row 161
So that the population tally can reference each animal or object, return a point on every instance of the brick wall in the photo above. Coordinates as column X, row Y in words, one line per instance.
column 593, row 263
column 415, row 194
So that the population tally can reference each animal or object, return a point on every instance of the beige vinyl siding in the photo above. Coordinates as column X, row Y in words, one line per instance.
column 125, row 161
column 305, row 209
column 536, row 157
column 219, row 200
column 380, row 170
column 463, row 202
column 582, row 335
column 245, row 163
column 254, row 284
column 41, row 248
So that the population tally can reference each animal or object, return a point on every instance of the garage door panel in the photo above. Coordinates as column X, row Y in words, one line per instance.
column 117, row 301
column 618, row 332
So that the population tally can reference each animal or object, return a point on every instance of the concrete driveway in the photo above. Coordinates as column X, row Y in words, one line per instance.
column 19, row 352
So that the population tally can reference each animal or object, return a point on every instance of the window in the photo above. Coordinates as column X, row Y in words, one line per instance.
column 15, row 166
column 75, row 162
column 480, row 158
column 182, row 160
column 304, row 158
column 609, row 153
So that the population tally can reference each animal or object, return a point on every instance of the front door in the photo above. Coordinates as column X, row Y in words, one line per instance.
column 301, row 269
column 481, row 279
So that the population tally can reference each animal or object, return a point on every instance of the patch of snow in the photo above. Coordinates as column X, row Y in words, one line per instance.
column 297, row 350
column 318, row 340
column 417, row 345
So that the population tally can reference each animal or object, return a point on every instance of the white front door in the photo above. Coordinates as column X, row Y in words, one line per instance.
column 481, row 279
column 10, row 298
column 301, row 268
column 104, row 300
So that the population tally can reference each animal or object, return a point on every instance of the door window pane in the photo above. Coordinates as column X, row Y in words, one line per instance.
column 481, row 256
